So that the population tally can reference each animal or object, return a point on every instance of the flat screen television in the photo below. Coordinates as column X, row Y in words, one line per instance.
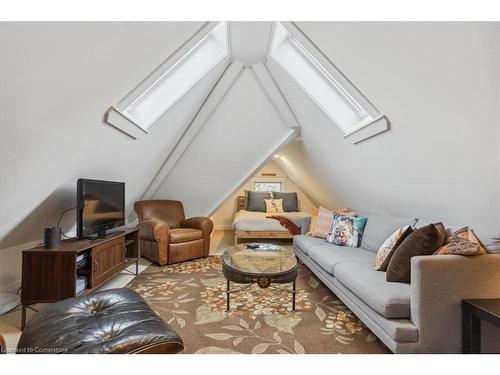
column 100, row 206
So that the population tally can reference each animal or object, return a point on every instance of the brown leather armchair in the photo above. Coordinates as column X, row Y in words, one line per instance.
column 165, row 234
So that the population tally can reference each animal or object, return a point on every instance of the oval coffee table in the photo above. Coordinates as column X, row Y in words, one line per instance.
column 264, row 265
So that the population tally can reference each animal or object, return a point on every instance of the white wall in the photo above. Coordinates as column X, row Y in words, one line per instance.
column 438, row 84
column 223, row 217
column 57, row 80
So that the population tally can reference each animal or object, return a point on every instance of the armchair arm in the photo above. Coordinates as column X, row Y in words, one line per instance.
column 3, row 345
column 438, row 285
column 206, row 225
column 154, row 230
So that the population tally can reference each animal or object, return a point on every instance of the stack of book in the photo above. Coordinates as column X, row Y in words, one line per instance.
column 82, row 260
column 81, row 284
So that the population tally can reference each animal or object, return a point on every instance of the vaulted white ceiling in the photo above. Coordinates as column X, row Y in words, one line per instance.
column 440, row 159
column 250, row 53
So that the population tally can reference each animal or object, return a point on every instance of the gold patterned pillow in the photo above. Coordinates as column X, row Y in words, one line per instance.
column 274, row 206
column 462, row 242
column 390, row 245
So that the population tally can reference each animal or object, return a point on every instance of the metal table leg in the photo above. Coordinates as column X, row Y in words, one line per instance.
column 228, row 292
column 294, row 292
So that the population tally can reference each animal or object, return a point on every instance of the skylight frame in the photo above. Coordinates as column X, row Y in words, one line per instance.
column 120, row 114
column 368, row 114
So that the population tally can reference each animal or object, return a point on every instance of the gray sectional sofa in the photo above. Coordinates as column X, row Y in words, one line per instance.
column 421, row 317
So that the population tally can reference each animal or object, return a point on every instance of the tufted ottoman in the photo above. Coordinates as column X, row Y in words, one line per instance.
column 111, row 321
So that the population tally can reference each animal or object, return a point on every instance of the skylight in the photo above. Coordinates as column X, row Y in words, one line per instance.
column 170, row 81
column 337, row 97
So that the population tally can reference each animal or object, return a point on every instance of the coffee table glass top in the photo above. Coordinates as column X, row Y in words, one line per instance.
column 262, row 259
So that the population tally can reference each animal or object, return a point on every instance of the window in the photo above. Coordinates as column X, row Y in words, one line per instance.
column 167, row 84
column 336, row 96
column 267, row 186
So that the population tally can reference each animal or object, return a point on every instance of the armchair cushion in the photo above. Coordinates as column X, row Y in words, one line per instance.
column 179, row 235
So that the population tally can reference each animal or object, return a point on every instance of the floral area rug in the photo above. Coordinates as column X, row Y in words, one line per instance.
column 190, row 297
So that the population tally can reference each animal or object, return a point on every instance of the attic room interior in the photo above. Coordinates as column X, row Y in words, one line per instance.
column 250, row 187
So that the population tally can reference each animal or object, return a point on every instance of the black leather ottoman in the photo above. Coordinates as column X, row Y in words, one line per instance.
column 111, row 321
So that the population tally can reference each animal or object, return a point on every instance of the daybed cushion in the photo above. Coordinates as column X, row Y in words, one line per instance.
column 329, row 255
column 379, row 227
column 391, row 300
column 305, row 242
column 290, row 200
column 255, row 200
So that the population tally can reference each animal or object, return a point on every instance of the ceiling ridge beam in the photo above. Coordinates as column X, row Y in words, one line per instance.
column 212, row 101
column 275, row 95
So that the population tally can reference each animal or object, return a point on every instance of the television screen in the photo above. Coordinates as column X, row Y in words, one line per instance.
column 100, row 206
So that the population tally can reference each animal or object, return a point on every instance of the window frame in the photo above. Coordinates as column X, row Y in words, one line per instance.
column 119, row 116
column 335, row 79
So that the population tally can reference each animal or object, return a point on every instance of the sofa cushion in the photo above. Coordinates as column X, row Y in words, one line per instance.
column 305, row 242
column 379, row 227
column 391, row 300
column 328, row 255
column 179, row 235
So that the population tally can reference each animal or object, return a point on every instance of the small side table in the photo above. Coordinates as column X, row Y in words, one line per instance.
column 473, row 311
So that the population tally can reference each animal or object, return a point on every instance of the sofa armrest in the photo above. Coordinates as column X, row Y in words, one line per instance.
column 204, row 224
column 154, row 230
column 305, row 225
column 439, row 283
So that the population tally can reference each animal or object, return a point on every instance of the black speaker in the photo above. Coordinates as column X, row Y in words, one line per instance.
column 52, row 237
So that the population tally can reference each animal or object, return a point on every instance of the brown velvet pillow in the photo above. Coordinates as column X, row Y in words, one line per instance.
column 423, row 241
column 400, row 240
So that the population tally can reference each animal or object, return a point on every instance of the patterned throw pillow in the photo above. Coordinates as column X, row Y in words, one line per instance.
column 323, row 221
column 314, row 217
column 346, row 230
column 386, row 250
column 274, row 206
column 462, row 242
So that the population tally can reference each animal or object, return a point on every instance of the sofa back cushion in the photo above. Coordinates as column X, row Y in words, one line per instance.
column 379, row 227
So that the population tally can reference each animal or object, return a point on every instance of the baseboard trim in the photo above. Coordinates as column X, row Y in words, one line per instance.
column 223, row 227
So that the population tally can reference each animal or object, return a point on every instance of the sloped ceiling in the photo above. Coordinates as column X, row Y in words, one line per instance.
column 438, row 83
column 426, row 77
column 56, row 80
column 231, row 146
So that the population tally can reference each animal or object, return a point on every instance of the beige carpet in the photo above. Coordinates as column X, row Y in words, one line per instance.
column 190, row 296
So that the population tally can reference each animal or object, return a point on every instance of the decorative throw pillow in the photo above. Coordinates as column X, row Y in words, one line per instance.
column 255, row 200
column 462, row 242
column 384, row 253
column 423, row 241
column 290, row 200
column 346, row 230
column 314, row 217
column 274, row 206
column 324, row 220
